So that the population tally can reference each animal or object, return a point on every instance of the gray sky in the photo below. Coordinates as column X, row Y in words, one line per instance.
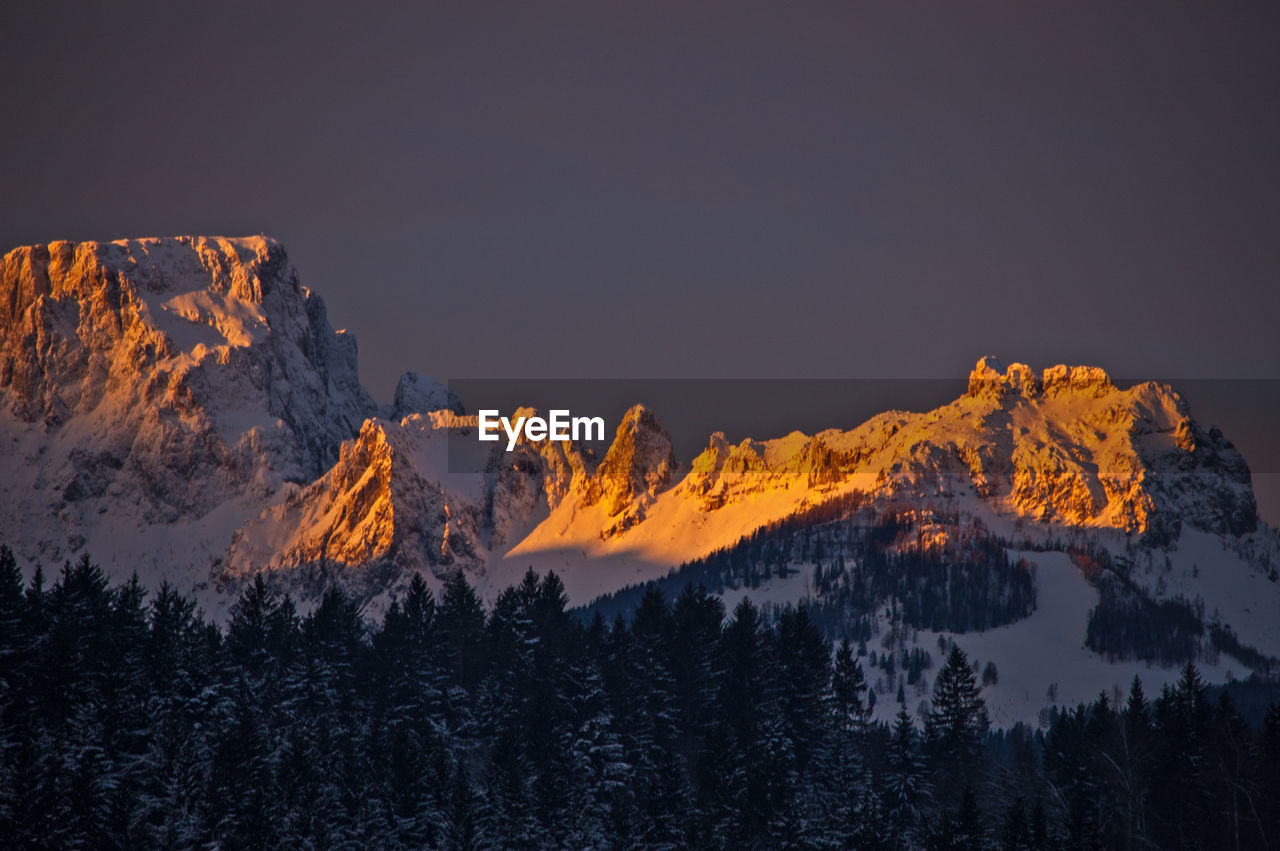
column 708, row 190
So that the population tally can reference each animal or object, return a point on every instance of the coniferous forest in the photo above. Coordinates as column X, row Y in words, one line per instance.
column 863, row 558
column 127, row 720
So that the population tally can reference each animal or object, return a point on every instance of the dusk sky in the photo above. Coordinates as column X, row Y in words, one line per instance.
column 708, row 190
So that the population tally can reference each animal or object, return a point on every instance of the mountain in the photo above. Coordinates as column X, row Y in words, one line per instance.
column 181, row 407
column 1065, row 449
column 154, row 393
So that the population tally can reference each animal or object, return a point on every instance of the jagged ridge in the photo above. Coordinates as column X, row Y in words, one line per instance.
column 130, row 370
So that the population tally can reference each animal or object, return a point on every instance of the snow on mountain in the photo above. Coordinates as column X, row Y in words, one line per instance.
column 385, row 500
column 155, row 392
column 419, row 394
column 181, row 407
column 1064, row 449
column 1042, row 660
column 392, row 503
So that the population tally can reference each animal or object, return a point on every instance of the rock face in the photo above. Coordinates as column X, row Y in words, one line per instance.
column 392, row 500
column 640, row 462
column 419, row 394
column 378, row 503
column 533, row 476
column 165, row 377
column 1082, row 452
column 1065, row 446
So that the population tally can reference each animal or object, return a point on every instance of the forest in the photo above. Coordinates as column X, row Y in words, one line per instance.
column 129, row 720
column 862, row 558
column 928, row 570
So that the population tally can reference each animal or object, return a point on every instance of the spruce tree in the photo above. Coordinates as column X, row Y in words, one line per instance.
column 906, row 786
column 1179, row 789
column 460, row 624
column 849, row 716
column 957, row 720
column 1134, row 766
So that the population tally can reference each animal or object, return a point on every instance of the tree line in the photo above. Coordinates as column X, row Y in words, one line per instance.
column 862, row 557
column 128, row 720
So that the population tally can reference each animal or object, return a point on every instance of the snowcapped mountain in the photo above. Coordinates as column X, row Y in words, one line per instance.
column 155, row 393
column 1065, row 449
column 182, row 407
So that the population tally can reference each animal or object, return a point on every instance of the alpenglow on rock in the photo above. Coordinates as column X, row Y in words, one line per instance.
column 182, row 407
column 164, row 377
column 639, row 463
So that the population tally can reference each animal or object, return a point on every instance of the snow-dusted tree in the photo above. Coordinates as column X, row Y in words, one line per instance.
column 958, row 719
column 906, row 784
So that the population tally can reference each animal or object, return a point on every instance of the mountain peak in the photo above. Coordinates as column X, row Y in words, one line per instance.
column 420, row 394
column 170, row 361
column 990, row 378
column 640, row 463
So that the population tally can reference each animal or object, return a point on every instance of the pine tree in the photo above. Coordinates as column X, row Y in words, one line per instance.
column 849, row 717
column 1179, row 788
column 14, row 650
column 957, row 721
column 1134, row 765
column 463, row 822
column 410, row 685
column 906, row 786
column 1233, row 775
column 649, row 715
column 242, row 798
column 961, row 828
column 805, row 668
column 692, row 651
column 460, row 624
column 1269, row 753
column 12, row 643
column 600, row 776
column 1016, row 834
column 748, row 709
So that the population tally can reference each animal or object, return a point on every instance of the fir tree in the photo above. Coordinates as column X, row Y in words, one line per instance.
column 460, row 624
column 957, row 721
column 906, row 786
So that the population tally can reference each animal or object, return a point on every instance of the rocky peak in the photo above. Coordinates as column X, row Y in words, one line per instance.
column 991, row 379
column 1081, row 380
column 1078, row 450
column 640, row 463
column 533, row 473
column 182, row 359
column 420, row 394
column 373, row 507
column 722, row 470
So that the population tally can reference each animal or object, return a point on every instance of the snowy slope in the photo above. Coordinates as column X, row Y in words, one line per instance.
column 1041, row 660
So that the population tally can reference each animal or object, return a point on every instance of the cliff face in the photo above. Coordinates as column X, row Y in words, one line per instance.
column 168, row 360
column 640, row 463
column 379, row 503
column 1067, row 446
column 1064, row 446
column 152, row 383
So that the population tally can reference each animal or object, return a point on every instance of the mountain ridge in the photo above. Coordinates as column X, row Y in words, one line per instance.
column 129, row 370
